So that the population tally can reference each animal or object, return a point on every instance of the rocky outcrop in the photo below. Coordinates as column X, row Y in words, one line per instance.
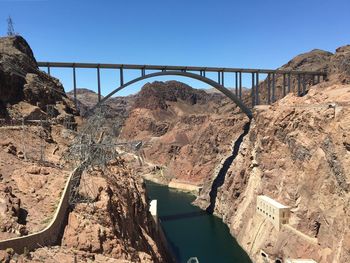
column 295, row 152
column 22, row 81
column 115, row 222
column 156, row 95
column 335, row 65
column 11, row 213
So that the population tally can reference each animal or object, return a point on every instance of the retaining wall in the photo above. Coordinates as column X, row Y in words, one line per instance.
column 52, row 233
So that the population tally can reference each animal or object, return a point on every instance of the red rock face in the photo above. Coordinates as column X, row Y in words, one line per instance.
column 185, row 130
column 295, row 153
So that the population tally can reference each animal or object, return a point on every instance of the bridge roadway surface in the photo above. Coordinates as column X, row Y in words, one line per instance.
column 198, row 73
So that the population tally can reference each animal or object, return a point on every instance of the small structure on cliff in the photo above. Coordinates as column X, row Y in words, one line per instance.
column 275, row 212
column 154, row 210
column 289, row 260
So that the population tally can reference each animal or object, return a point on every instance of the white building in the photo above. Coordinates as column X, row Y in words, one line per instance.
column 275, row 212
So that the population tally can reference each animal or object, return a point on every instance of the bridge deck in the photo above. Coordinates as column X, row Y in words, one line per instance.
column 302, row 79
column 180, row 68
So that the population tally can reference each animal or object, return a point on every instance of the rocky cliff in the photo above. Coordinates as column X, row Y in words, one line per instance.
column 114, row 221
column 186, row 132
column 296, row 152
column 25, row 91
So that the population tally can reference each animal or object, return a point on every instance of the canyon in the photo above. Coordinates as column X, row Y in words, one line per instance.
column 295, row 151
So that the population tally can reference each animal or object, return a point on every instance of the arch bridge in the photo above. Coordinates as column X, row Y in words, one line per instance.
column 293, row 80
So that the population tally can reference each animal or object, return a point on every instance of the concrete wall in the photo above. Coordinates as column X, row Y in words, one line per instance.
column 186, row 187
column 51, row 234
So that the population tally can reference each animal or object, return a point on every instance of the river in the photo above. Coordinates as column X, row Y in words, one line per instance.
column 191, row 232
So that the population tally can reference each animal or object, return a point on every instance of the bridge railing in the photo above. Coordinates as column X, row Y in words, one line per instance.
column 276, row 84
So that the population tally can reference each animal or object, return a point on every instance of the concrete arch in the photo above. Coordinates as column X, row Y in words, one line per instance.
column 211, row 82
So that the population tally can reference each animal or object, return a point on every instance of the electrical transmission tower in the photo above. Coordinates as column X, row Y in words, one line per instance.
column 10, row 28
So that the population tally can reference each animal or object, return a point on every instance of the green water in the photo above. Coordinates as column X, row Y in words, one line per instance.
column 191, row 232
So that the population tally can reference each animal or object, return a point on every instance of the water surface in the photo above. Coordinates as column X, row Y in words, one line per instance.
column 192, row 232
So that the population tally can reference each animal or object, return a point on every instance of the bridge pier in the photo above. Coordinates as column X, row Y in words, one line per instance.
column 268, row 88
column 288, row 82
column 98, row 84
column 257, row 89
column 121, row 76
column 284, row 85
column 240, row 85
column 273, row 87
column 75, row 88
column 253, row 90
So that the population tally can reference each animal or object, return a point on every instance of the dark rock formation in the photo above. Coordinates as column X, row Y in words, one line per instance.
column 156, row 95
column 21, row 79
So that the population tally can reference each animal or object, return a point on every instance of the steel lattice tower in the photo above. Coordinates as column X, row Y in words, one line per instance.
column 10, row 28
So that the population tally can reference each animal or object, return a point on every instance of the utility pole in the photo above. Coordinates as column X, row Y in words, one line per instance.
column 10, row 28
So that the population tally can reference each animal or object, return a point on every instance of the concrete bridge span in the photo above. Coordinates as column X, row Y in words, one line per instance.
column 301, row 78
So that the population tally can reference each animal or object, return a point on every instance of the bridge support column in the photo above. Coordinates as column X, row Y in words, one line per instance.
column 240, row 85
column 75, row 88
column 121, row 75
column 98, row 84
column 268, row 89
column 284, row 85
column 273, row 87
column 253, row 90
column 257, row 89
column 236, row 83
column 288, row 83
column 304, row 85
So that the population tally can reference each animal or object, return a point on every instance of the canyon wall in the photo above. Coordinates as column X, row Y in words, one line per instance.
column 296, row 152
column 185, row 131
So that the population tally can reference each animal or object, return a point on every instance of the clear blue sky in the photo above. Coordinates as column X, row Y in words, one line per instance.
column 227, row 33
